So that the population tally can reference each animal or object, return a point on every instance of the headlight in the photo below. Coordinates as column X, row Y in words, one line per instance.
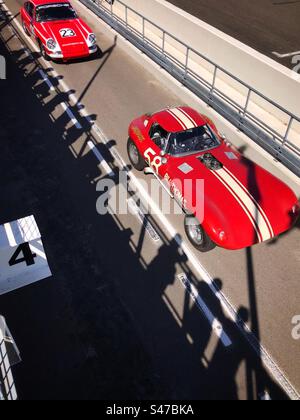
column 92, row 39
column 51, row 44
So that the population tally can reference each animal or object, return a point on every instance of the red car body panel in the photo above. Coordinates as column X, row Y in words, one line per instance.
column 74, row 46
column 243, row 203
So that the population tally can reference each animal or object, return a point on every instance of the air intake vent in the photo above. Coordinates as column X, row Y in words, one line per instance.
column 210, row 162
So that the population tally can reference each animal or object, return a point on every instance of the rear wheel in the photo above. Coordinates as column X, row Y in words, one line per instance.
column 136, row 159
column 197, row 235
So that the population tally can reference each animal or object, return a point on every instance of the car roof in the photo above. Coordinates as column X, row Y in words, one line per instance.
column 44, row 2
column 178, row 119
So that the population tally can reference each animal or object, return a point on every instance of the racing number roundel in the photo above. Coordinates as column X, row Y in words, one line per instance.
column 152, row 159
column 67, row 33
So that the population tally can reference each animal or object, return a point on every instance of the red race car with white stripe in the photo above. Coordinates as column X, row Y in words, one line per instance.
column 241, row 203
column 57, row 29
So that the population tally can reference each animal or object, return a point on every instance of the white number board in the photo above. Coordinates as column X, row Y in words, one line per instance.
column 22, row 256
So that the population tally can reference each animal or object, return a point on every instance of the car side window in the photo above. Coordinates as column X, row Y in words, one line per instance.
column 159, row 136
column 30, row 9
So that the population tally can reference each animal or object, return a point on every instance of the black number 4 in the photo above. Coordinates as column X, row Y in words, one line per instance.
column 28, row 256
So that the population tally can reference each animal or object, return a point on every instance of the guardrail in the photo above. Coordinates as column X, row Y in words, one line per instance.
column 277, row 144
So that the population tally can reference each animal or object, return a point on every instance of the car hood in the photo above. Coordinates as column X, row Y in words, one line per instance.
column 242, row 198
column 67, row 32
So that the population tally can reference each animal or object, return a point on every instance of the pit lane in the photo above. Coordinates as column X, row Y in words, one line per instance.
column 118, row 94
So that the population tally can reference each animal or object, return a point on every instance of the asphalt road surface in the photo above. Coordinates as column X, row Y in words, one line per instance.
column 115, row 303
column 267, row 26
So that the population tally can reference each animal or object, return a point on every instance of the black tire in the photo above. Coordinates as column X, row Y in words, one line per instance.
column 136, row 159
column 43, row 51
column 25, row 28
column 197, row 235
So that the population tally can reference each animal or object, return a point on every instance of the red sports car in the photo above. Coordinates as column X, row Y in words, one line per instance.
column 58, row 30
column 242, row 204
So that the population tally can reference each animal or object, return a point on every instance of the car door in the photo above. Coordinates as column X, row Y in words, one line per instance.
column 28, row 16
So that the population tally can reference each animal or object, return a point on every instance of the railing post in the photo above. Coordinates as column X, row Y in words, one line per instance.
column 213, row 83
column 126, row 16
column 244, row 113
column 111, row 9
column 288, row 131
column 187, row 61
column 164, row 42
column 143, row 29
column 247, row 102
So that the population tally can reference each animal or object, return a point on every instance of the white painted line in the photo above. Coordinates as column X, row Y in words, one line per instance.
column 143, row 219
column 267, row 361
column 285, row 55
column 71, row 115
column 47, row 81
column 213, row 321
column 104, row 165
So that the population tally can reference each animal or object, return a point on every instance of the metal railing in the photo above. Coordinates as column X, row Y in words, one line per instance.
column 9, row 356
column 277, row 144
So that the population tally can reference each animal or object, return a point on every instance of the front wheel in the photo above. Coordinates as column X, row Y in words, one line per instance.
column 25, row 28
column 43, row 52
column 197, row 235
column 136, row 159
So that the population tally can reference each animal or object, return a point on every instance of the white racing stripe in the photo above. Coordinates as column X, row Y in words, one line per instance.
column 247, row 202
column 188, row 116
column 40, row 34
column 242, row 204
column 267, row 360
column 255, row 201
column 177, row 119
column 186, row 121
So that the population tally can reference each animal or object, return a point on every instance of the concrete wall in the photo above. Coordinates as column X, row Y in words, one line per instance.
column 270, row 78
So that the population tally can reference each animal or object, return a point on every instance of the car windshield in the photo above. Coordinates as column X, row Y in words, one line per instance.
column 195, row 140
column 55, row 12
